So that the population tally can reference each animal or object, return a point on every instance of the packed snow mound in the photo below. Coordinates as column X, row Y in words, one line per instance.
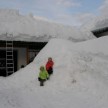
column 70, row 57
column 66, row 55
column 95, row 45
column 80, row 75
column 27, row 28
column 61, row 45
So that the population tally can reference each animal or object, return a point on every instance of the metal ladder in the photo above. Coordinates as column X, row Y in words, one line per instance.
column 9, row 55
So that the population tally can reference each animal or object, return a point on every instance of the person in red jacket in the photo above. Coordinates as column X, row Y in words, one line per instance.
column 49, row 66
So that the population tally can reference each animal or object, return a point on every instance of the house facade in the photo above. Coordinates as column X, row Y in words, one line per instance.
column 23, row 53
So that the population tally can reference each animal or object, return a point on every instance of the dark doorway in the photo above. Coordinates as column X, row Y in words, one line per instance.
column 3, row 61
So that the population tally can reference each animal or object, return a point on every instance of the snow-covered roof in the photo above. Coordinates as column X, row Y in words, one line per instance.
column 27, row 28
column 95, row 24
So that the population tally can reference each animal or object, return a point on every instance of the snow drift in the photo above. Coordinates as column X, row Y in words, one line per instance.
column 80, row 78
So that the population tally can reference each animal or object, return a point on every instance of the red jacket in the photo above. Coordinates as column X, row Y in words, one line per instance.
column 49, row 64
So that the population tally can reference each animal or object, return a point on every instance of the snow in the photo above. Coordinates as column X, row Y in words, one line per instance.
column 79, row 81
column 80, row 76
column 94, row 24
column 27, row 28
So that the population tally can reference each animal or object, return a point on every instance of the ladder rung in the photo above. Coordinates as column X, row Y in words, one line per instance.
column 9, row 51
column 9, row 45
column 9, row 59
column 7, row 48
column 9, row 55
column 9, row 67
column 10, row 63
column 9, row 42
column 10, row 72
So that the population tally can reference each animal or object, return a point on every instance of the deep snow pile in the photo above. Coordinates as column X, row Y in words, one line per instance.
column 27, row 28
column 79, row 81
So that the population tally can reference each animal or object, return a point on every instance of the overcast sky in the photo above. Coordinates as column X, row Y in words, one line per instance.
column 68, row 12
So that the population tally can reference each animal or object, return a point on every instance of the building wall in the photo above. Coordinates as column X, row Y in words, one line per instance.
column 22, row 57
column 24, row 53
column 32, row 54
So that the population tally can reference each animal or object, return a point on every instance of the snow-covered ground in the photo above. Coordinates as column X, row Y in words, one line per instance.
column 80, row 78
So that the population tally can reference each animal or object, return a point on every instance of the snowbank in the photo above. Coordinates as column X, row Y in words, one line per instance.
column 80, row 78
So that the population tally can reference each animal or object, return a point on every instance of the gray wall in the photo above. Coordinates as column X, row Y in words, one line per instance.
column 22, row 57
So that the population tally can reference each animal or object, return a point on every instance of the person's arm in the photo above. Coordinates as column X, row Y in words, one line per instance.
column 47, row 75
column 40, row 74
